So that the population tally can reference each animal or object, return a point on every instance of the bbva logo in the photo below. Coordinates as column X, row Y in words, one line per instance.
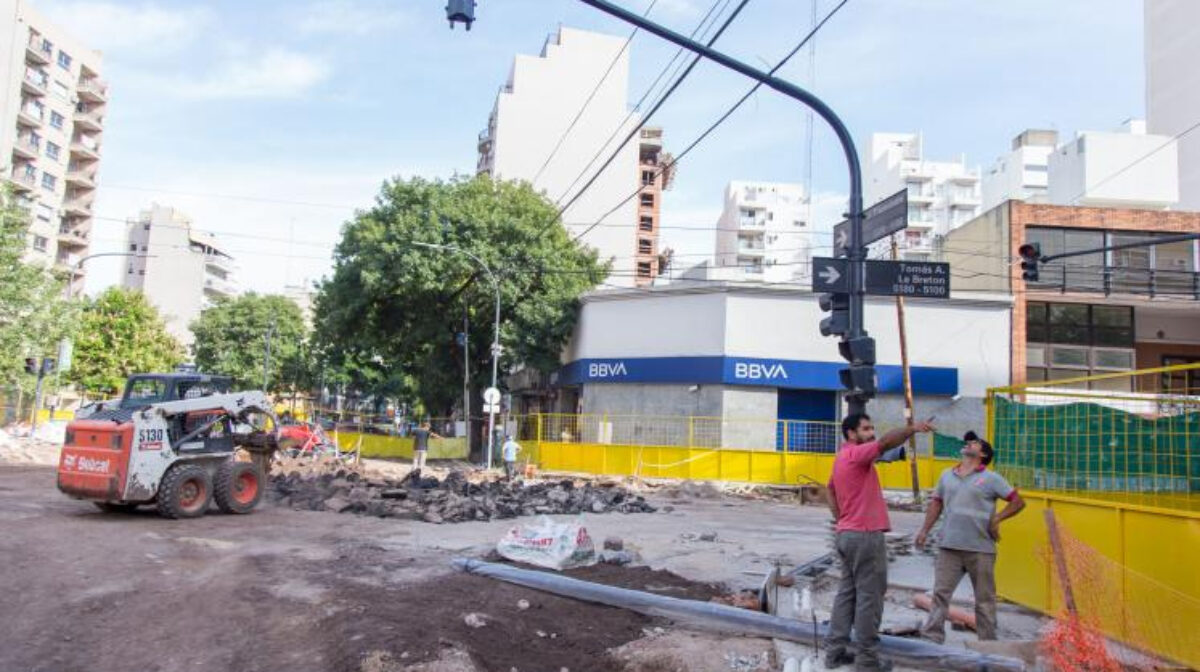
column 607, row 370
column 751, row 371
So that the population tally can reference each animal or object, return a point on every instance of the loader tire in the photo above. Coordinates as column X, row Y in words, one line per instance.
column 238, row 486
column 185, row 492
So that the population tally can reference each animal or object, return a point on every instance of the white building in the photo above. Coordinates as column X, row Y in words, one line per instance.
column 533, row 134
column 1024, row 173
column 1121, row 169
column 51, row 123
column 182, row 270
column 1173, row 86
column 303, row 295
column 764, row 232
column 941, row 194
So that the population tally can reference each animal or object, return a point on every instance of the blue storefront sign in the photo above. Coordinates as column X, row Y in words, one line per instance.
column 779, row 373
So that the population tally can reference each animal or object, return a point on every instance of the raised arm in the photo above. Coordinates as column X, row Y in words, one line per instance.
column 899, row 435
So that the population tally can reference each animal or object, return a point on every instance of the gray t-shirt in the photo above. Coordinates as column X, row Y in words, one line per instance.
column 420, row 439
column 968, row 503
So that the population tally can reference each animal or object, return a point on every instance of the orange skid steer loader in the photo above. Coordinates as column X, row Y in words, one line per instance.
column 171, row 440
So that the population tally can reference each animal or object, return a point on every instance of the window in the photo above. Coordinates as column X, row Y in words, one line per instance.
column 647, row 178
column 645, row 246
column 40, row 243
column 64, row 60
column 797, row 222
column 1180, row 382
column 53, row 151
column 643, row 269
column 1074, row 340
column 146, row 226
column 1036, row 168
column 1082, row 273
column 61, row 90
column 133, row 247
column 45, row 212
column 648, row 200
column 146, row 389
column 646, row 223
column 56, row 120
column 770, row 216
column 49, row 182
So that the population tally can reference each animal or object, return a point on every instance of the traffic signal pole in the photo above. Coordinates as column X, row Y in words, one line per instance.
column 856, row 252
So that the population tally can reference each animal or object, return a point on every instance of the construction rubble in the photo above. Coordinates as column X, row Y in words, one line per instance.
column 459, row 496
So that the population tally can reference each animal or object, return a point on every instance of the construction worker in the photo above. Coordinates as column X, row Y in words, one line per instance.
column 509, row 452
column 421, row 437
column 856, row 501
column 967, row 493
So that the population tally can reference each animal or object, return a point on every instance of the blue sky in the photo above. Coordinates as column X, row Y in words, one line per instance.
column 272, row 120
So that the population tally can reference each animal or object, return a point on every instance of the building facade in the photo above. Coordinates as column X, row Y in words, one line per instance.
column 182, row 270
column 1173, row 86
column 1097, row 313
column 1024, row 173
column 1126, row 168
column 764, row 233
column 51, row 129
column 942, row 195
column 553, row 126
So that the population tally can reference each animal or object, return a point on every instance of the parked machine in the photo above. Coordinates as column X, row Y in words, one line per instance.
column 171, row 440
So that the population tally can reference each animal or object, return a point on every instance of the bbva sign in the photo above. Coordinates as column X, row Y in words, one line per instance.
column 607, row 370
column 754, row 371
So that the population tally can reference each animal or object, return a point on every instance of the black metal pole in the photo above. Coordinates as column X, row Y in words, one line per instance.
column 857, row 252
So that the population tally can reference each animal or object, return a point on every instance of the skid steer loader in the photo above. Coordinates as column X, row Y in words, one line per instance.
column 171, row 440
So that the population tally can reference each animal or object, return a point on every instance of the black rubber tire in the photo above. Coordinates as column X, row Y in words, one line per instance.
column 176, row 495
column 238, row 486
column 115, row 507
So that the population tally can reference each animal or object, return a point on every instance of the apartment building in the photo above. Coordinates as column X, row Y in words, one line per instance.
column 1173, row 86
column 556, row 119
column 1096, row 313
column 1125, row 168
column 763, row 233
column 51, row 128
column 181, row 271
column 654, row 175
column 1024, row 173
column 942, row 195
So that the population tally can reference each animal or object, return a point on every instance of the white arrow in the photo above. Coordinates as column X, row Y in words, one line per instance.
column 830, row 275
column 841, row 239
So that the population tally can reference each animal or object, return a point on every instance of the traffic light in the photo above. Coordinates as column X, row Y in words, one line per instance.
column 460, row 10
column 858, row 350
column 31, row 365
column 1031, row 256
column 859, row 380
column 47, row 366
column 838, row 307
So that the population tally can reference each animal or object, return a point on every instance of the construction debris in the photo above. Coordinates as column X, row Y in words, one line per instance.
column 459, row 497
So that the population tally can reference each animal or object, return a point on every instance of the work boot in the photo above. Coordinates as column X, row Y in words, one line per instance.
column 835, row 658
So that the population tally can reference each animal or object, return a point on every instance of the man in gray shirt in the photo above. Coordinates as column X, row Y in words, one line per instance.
column 967, row 493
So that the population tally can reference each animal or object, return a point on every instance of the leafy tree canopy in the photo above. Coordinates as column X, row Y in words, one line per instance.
column 231, row 339
column 121, row 333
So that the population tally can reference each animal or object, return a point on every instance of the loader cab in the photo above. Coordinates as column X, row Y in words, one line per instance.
column 145, row 389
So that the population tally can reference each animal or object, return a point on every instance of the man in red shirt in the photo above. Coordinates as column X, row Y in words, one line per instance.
column 856, row 500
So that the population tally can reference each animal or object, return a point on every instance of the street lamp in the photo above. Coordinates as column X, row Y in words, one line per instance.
column 495, row 341
column 79, row 264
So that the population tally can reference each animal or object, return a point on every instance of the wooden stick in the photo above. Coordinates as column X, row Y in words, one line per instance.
column 1060, row 562
column 908, row 390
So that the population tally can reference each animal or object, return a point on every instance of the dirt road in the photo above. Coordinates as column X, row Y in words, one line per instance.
column 290, row 590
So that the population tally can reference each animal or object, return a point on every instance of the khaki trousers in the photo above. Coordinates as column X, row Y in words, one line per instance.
column 948, row 570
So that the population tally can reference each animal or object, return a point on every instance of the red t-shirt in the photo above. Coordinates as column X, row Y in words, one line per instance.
column 856, row 485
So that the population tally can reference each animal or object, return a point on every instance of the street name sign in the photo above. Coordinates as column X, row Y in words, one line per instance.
column 926, row 279
column 879, row 221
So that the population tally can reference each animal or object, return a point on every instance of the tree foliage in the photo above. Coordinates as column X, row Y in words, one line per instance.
column 121, row 333
column 392, row 309
column 33, row 314
column 231, row 339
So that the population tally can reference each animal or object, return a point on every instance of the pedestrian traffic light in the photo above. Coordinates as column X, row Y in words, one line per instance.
column 1031, row 256
column 31, row 365
column 460, row 10
column 838, row 307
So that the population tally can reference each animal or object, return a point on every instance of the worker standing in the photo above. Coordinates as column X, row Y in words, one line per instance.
column 421, row 437
column 509, row 451
column 856, row 501
column 967, row 493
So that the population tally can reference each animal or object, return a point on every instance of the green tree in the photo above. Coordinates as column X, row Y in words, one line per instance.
column 395, row 308
column 231, row 339
column 121, row 333
column 33, row 315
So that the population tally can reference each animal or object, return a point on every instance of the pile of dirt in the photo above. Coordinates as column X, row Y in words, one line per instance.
column 27, row 450
column 458, row 497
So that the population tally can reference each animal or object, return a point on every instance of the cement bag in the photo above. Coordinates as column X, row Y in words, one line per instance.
column 549, row 544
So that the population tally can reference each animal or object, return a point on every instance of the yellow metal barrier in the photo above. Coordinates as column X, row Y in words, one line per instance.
column 380, row 445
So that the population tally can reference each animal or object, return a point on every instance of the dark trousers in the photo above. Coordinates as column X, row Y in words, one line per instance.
column 510, row 469
column 859, row 601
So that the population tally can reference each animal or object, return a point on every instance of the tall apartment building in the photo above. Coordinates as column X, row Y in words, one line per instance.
column 654, row 175
column 763, row 233
column 1173, row 86
column 51, row 126
column 942, row 195
column 537, row 132
column 182, row 271
column 1024, row 173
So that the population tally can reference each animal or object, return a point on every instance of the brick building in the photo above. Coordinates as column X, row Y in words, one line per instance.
column 1091, row 314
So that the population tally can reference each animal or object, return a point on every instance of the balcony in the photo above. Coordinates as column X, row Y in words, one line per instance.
column 72, row 237
column 27, row 147
column 91, row 121
column 79, row 206
column 92, row 90
column 219, row 286
column 485, row 142
column 81, row 177
column 31, row 116
column 38, row 51
column 219, row 262
column 22, row 180
column 86, row 148
column 963, row 198
column 35, row 83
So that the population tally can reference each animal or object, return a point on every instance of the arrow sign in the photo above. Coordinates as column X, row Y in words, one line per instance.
column 879, row 221
column 829, row 275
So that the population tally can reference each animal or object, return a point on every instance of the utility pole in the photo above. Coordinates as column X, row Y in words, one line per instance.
column 267, row 353
column 466, row 343
column 909, row 411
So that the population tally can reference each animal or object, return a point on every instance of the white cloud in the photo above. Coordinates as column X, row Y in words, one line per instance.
column 348, row 17
column 115, row 27
column 274, row 73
